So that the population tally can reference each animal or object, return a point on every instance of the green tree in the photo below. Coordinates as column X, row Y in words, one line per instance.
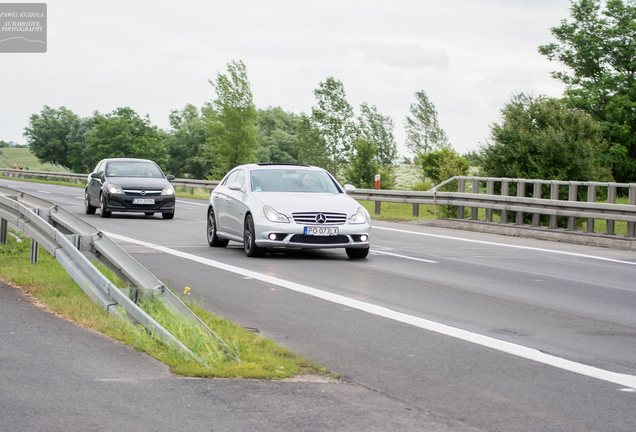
column 185, row 143
column 3, row 144
column 332, row 117
column 363, row 166
column 598, row 47
column 378, row 128
column 230, row 121
column 543, row 138
column 123, row 133
column 423, row 132
column 278, row 132
column 312, row 148
column 57, row 136
column 441, row 164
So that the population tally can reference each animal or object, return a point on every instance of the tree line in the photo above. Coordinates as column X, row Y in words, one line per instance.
column 587, row 134
column 229, row 130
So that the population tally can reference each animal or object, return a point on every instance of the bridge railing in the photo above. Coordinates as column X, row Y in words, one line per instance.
column 572, row 206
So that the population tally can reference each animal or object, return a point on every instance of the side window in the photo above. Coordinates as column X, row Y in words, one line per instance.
column 100, row 167
column 231, row 178
column 240, row 178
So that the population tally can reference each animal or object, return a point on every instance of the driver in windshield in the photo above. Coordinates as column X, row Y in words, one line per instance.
column 310, row 184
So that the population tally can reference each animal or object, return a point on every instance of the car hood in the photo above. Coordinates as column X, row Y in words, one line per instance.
column 294, row 202
column 141, row 183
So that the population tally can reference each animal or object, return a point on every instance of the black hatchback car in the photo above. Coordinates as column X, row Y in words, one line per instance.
column 129, row 185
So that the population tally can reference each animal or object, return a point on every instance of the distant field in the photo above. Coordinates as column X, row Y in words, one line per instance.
column 24, row 158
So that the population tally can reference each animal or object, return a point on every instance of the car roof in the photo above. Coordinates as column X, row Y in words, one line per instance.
column 273, row 166
column 127, row 160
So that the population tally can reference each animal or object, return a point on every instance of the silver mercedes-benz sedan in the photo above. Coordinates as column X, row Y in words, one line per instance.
column 286, row 206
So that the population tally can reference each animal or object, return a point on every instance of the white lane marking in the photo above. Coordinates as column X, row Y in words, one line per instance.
column 44, row 192
column 508, row 245
column 375, row 252
column 192, row 203
column 628, row 390
column 486, row 341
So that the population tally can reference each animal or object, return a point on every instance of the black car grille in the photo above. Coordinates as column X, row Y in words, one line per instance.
column 313, row 218
column 138, row 192
column 301, row 238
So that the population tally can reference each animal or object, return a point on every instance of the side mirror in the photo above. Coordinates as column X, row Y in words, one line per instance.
column 348, row 188
column 95, row 175
column 170, row 177
column 235, row 186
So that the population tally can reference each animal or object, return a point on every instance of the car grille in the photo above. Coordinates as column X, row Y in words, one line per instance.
column 138, row 192
column 301, row 238
column 311, row 218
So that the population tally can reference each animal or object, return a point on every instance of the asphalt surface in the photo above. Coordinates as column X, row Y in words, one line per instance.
column 531, row 293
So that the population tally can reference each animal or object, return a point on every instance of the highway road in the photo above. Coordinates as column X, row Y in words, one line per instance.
column 488, row 332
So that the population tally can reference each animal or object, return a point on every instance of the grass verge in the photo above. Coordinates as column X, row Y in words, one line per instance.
column 49, row 285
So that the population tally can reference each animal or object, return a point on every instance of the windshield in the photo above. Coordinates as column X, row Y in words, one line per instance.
column 133, row 169
column 291, row 180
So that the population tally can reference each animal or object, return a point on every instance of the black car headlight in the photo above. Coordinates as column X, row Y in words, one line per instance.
column 114, row 189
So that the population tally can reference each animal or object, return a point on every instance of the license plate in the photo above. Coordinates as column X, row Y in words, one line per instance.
column 321, row 231
column 143, row 201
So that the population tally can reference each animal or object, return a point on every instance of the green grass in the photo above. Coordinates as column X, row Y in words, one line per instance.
column 49, row 285
column 24, row 157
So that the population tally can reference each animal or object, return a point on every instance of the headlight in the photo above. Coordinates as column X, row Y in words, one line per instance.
column 114, row 189
column 168, row 190
column 359, row 217
column 273, row 216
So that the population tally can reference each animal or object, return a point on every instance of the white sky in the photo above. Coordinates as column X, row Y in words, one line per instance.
column 470, row 56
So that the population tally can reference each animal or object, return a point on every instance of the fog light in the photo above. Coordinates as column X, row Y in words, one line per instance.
column 364, row 237
column 272, row 236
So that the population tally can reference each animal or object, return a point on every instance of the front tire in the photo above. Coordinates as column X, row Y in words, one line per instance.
column 213, row 239
column 167, row 215
column 249, row 239
column 88, row 208
column 103, row 212
column 355, row 253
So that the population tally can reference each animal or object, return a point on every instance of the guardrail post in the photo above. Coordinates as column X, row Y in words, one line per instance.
column 416, row 210
column 572, row 196
column 461, row 188
column 611, row 199
column 554, row 195
column 591, row 197
column 536, row 193
column 474, row 211
column 34, row 251
column 631, row 226
column 378, row 207
column 505, row 190
column 521, row 191
column 490, row 190
column 3, row 231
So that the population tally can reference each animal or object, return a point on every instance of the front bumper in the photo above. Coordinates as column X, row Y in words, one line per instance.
column 124, row 203
column 291, row 235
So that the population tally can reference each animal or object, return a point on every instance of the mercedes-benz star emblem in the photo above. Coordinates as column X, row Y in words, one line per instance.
column 321, row 218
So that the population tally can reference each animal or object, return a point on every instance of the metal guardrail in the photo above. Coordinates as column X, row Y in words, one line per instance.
column 66, row 236
column 493, row 194
column 533, row 197
column 80, row 178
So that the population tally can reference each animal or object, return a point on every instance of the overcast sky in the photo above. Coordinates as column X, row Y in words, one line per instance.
column 470, row 56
